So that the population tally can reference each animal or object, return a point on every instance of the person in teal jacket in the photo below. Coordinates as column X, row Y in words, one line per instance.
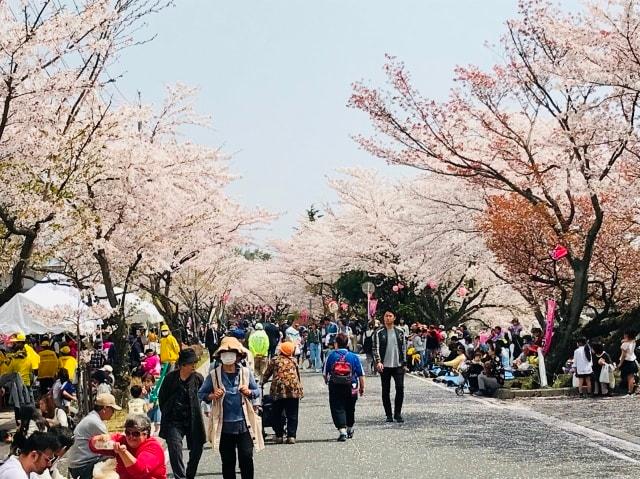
column 259, row 347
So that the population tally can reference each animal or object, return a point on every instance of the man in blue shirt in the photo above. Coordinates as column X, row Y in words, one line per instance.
column 343, row 397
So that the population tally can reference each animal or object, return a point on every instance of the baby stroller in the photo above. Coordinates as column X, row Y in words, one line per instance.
column 470, row 379
column 266, row 412
column 447, row 375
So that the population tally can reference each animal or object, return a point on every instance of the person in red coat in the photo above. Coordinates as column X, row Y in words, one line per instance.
column 139, row 456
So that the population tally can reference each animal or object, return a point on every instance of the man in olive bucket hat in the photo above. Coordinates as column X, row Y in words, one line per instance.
column 181, row 415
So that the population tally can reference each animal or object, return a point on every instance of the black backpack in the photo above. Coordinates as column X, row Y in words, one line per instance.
column 341, row 372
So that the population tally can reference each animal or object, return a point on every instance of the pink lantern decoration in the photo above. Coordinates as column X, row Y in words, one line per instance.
column 432, row 285
column 395, row 288
column 559, row 252
column 400, row 286
column 344, row 306
column 304, row 316
column 462, row 291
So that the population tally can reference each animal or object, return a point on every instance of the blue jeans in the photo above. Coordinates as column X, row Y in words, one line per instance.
column 315, row 349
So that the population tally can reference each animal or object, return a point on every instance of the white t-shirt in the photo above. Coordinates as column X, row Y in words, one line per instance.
column 581, row 363
column 628, row 349
column 12, row 469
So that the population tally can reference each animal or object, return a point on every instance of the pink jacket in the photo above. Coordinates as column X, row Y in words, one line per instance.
column 151, row 365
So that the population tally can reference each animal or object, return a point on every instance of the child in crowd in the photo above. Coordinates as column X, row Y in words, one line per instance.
column 153, row 411
column 137, row 405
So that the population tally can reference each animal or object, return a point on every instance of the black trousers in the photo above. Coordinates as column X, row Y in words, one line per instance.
column 175, row 435
column 398, row 378
column 243, row 443
column 343, row 405
column 290, row 407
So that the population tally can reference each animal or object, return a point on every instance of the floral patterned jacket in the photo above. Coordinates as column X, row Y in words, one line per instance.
column 285, row 382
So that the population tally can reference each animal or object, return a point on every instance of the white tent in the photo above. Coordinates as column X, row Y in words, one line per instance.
column 53, row 306
column 17, row 315
column 137, row 309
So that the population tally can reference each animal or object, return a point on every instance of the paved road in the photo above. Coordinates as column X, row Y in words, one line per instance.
column 444, row 437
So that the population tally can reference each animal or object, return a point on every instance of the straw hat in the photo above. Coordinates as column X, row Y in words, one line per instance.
column 230, row 343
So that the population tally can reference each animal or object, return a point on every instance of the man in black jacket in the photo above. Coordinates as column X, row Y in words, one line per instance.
column 390, row 352
column 181, row 415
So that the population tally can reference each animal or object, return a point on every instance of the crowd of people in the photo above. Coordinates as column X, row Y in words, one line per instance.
column 169, row 399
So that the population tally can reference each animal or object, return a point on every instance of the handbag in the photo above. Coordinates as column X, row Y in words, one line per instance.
column 604, row 374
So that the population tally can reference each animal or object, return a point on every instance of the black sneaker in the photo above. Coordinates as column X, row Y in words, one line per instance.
column 342, row 437
column 399, row 419
column 389, row 419
column 350, row 433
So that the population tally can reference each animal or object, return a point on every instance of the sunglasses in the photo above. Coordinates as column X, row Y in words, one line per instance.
column 135, row 434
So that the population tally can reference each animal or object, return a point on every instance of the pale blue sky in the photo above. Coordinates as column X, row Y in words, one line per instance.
column 276, row 75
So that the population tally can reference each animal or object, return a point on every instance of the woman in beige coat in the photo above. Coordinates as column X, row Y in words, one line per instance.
column 234, row 427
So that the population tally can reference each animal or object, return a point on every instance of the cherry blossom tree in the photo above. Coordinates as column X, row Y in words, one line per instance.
column 54, row 100
column 549, row 125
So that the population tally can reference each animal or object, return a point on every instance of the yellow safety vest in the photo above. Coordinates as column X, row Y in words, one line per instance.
column 48, row 364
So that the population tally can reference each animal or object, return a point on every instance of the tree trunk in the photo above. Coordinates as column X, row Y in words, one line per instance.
column 565, row 335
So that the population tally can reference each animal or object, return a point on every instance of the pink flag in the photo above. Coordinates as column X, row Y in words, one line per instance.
column 548, row 333
column 373, row 305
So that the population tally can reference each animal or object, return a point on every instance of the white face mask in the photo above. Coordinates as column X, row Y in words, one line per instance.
column 228, row 357
column 165, row 333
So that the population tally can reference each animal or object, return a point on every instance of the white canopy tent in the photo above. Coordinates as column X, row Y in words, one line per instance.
column 17, row 315
column 137, row 309
column 49, row 307
column 55, row 306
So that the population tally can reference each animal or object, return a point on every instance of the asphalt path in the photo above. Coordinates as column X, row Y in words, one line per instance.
column 444, row 436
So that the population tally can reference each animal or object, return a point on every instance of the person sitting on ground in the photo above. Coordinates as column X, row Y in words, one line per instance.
column 81, row 458
column 522, row 361
column 138, row 454
column 31, row 420
column 64, row 438
column 36, row 455
column 459, row 359
column 136, row 404
column 487, row 380
column 54, row 416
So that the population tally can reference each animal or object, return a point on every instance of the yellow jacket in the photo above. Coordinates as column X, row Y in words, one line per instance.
column 33, row 356
column 22, row 365
column 48, row 364
column 4, row 364
column 169, row 349
column 456, row 362
column 70, row 364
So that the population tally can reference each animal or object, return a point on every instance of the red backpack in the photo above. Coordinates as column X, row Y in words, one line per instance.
column 341, row 372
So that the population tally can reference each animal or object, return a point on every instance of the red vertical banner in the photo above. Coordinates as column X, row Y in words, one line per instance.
column 550, row 318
